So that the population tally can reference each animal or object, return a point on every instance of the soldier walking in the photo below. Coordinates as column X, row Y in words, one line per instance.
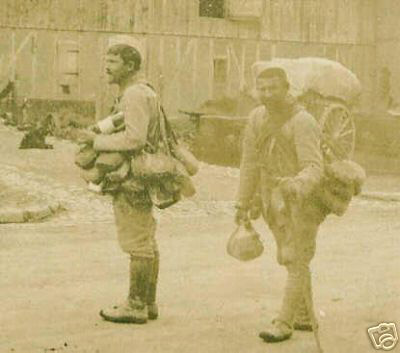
column 280, row 167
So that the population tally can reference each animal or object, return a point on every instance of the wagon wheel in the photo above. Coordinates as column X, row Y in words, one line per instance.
column 338, row 132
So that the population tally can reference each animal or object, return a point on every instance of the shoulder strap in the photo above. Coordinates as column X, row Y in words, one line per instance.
column 168, row 134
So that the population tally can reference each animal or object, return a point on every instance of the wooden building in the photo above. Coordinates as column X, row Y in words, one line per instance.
column 197, row 50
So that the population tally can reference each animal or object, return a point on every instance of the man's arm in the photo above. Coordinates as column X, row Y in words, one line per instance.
column 136, row 109
column 307, row 137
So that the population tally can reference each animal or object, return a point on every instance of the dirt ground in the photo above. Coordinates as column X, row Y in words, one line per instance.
column 57, row 275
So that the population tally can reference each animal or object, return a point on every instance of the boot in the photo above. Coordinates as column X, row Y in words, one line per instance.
column 279, row 331
column 134, row 309
column 151, row 297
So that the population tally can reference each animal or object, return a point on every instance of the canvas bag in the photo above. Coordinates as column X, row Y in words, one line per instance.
column 244, row 243
column 155, row 161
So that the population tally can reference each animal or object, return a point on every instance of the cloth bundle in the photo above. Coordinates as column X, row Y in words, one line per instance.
column 342, row 180
column 244, row 244
column 158, row 178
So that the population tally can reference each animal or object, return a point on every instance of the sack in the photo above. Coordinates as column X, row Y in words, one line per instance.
column 346, row 172
column 244, row 244
column 178, row 150
column 342, row 180
column 163, row 194
column 119, row 175
column 109, row 161
column 156, row 164
column 335, row 203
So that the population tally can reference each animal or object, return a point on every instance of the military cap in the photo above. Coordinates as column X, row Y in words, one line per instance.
column 129, row 41
column 268, row 69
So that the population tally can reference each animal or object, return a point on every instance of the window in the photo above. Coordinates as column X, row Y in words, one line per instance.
column 212, row 8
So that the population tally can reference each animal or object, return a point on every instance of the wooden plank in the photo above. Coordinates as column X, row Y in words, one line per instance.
column 43, row 66
column 203, row 68
column 170, row 18
column 273, row 50
column 243, row 66
column 193, row 17
column 265, row 50
column 355, row 18
column 161, row 60
column 246, row 30
column 194, row 69
column 141, row 16
column 34, row 64
column 266, row 21
column 211, row 68
column 250, row 56
column 276, row 20
column 285, row 29
column 12, row 14
column 291, row 20
column 151, row 27
column 233, row 50
column 157, row 16
column 178, row 73
column 309, row 21
column 67, row 14
column 331, row 16
column 343, row 19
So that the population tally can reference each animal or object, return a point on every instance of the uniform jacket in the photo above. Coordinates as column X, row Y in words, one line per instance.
column 139, row 105
column 270, row 152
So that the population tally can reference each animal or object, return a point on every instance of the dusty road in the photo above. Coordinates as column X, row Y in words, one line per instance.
column 57, row 275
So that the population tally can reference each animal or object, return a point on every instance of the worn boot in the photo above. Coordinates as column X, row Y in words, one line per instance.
column 302, row 321
column 134, row 309
column 151, row 296
column 282, row 327
column 278, row 331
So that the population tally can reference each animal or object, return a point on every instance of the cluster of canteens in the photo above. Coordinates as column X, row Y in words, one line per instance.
column 161, row 178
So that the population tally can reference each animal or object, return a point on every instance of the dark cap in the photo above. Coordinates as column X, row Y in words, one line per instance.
column 273, row 72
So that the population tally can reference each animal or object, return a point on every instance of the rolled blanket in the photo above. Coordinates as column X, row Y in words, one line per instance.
column 109, row 161
column 342, row 180
column 347, row 172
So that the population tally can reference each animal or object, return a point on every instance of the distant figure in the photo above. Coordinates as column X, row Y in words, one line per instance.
column 35, row 137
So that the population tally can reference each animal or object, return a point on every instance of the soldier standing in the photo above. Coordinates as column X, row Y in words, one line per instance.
column 134, row 219
column 280, row 167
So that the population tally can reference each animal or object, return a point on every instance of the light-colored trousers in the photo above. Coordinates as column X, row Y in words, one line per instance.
column 136, row 227
column 295, row 235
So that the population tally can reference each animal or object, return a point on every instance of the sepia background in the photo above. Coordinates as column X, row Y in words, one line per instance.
column 57, row 274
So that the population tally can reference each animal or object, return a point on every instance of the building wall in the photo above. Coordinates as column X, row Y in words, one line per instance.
column 388, row 45
column 190, row 58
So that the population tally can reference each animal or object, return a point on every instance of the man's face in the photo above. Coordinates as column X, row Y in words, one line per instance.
column 117, row 71
column 271, row 90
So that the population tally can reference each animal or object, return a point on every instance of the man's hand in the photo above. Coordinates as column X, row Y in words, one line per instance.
column 94, row 128
column 241, row 216
column 86, row 137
